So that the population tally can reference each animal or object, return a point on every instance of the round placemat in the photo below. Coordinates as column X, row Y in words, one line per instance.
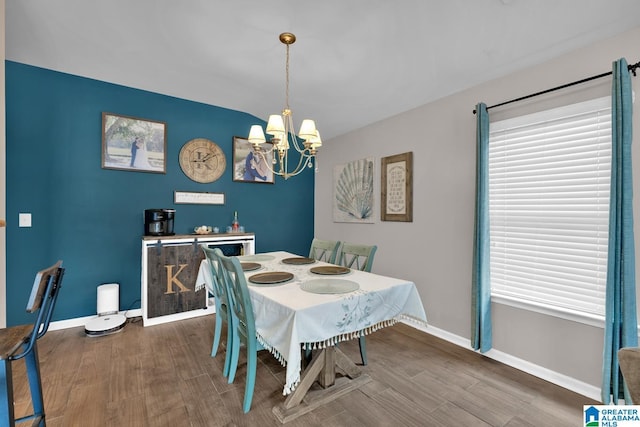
column 250, row 266
column 329, row 270
column 271, row 277
column 329, row 286
column 298, row 261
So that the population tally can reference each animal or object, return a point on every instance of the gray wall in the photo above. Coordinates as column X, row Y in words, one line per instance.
column 435, row 250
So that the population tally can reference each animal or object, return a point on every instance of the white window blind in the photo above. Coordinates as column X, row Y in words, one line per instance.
column 549, row 176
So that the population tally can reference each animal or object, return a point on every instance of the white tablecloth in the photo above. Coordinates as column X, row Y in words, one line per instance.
column 288, row 317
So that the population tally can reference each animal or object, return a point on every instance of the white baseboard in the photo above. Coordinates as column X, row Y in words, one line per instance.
column 81, row 321
column 556, row 378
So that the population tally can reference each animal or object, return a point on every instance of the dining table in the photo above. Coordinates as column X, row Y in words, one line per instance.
column 301, row 304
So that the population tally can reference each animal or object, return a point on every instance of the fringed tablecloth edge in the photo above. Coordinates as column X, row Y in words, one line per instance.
column 271, row 350
column 412, row 319
column 288, row 389
column 349, row 335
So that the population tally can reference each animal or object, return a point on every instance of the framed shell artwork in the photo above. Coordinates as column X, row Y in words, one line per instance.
column 353, row 191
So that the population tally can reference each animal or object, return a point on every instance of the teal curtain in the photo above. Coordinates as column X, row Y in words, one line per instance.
column 620, row 318
column 481, row 280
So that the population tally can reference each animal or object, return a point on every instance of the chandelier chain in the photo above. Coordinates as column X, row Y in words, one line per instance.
column 287, row 81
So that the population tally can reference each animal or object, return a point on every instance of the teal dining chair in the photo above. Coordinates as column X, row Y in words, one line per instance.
column 20, row 342
column 327, row 251
column 324, row 250
column 219, row 291
column 358, row 257
column 244, row 321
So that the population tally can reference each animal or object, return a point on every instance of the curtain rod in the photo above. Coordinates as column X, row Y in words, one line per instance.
column 631, row 68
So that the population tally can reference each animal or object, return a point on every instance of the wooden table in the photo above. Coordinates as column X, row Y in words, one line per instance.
column 289, row 318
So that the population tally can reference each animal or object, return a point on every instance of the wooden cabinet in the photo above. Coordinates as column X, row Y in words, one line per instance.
column 170, row 267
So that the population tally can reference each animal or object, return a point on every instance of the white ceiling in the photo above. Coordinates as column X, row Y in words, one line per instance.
column 355, row 61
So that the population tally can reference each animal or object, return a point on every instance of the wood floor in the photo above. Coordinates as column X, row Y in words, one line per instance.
column 164, row 376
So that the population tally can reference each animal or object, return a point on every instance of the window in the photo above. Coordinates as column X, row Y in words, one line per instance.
column 549, row 176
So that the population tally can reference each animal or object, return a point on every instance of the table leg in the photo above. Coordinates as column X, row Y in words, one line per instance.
column 323, row 369
column 327, row 376
column 307, row 379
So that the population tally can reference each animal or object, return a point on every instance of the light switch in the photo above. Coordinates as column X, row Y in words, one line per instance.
column 24, row 220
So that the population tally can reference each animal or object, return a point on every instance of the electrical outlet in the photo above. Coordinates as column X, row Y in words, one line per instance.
column 24, row 220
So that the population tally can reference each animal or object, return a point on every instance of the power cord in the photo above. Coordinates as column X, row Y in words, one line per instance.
column 132, row 319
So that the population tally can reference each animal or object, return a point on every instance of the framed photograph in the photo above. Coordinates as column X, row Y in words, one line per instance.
column 251, row 166
column 397, row 188
column 353, row 191
column 133, row 144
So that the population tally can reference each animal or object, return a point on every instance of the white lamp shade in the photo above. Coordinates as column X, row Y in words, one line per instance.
column 275, row 124
column 256, row 135
column 308, row 129
column 316, row 142
column 283, row 141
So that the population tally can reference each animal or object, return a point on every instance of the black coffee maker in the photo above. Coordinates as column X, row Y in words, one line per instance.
column 158, row 222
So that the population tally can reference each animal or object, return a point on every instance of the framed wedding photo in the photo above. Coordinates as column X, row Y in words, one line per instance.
column 133, row 144
column 397, row 188
column 250, row 165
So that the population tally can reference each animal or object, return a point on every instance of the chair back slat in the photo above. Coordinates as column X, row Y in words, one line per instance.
column 39, row 288
column 42, row 300
column 324, row 250
column 218, row 288
column 239, row 299
column 362, row 257
column 357, row 256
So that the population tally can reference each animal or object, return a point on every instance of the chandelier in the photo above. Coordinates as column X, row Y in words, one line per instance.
column 281, row 128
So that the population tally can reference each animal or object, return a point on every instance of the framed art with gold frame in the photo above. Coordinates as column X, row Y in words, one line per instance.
column 397, row 188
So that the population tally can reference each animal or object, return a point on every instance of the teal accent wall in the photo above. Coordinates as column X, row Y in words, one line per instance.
column 92, row 218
